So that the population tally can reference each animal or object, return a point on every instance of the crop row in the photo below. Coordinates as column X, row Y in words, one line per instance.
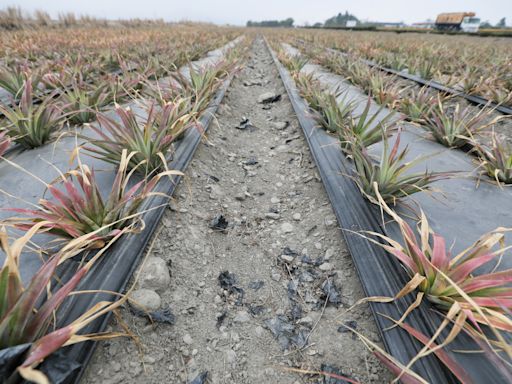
column 467, row 299
column 475, row 66
column 448, row 120
column 138, row 139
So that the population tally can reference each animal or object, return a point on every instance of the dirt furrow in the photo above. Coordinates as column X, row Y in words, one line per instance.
column 271, row 290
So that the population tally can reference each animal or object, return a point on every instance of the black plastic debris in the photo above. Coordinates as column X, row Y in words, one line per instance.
column 347, row 325
column 215, row 179
column 333, row 375
column 308, row 260
column 331, row 292
column 251, row 161
column 296, row 311
column 282, row 330
column 219, row 223
column 220, row 318
column 300, row 338
column 286, row 333
column 257, row 284
column 164, row 316
column 256, row 310
column 200, row 379
column 245, row 124
column 61, row 368
column 11, row 358
column 292, row 289
column 289, row 252
column 307, row 276
column 227, row 281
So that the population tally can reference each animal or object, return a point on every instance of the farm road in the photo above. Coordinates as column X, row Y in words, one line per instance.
column 268, row 293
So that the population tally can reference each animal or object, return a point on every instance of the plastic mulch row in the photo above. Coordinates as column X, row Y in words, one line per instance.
column 478, row 100
column 380, row 274
column 113, row 271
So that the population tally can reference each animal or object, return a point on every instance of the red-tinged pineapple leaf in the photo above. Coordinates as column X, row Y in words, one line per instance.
column 405, row 378
column 44, row 313
column 454, row 367
column 22, row 310
column 466, row 268
column 47, row 344
column 439, row 256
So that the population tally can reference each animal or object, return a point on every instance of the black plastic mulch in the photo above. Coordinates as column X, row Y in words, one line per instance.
column 112, row 272
column 380, row 274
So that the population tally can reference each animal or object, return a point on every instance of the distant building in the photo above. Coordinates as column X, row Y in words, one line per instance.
column 385, row 24
column 429, row 24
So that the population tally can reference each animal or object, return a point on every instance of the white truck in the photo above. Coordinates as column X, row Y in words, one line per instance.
column 458, row 21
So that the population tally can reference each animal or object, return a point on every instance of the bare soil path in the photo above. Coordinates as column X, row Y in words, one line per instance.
column 268, row 293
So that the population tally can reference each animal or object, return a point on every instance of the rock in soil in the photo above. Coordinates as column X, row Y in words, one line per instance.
column 155, row 274
column 146, row 299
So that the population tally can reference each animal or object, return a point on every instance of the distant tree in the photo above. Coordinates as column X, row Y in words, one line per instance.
column 502, row 23
column 340, row 20
column 288, row 22
column 485, row 25
column 318, row 25
column 271, row 23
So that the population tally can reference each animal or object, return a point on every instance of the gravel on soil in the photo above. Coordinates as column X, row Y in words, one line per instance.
column 249, row 259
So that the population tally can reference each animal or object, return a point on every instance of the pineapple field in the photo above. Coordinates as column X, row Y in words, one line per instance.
column 191, row 203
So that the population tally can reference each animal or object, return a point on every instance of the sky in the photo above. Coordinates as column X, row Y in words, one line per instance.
column 237, row 12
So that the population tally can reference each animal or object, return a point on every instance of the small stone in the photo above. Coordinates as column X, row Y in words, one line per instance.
column 272, row 215
column 231, row 356
column 296, row 216
column 194, row 352
column 280, row 125
column 330, row 223
column 325, row 266
column 329, row 253
column 242, row 317
column 287, row 227
column 268, row 97
column 240, row 196
column 276, row 276
column 146, row 299
column 306, row 320
column 155, row 274
column 187, row 339
column 287, row 258
column 318, row 246
column 259, row 331
column 275, row 200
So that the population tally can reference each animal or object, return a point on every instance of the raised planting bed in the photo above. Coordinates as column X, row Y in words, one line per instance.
column 462, row 217
column 113, row 270
column 474, row 99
